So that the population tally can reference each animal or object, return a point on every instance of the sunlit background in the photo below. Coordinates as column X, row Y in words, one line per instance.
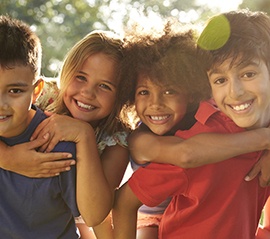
column 61, row 23
column 219, row 5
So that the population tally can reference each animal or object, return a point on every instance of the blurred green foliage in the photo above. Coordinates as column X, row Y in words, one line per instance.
column 61, row 23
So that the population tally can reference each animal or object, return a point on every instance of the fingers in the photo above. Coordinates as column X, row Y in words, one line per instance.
column 55, row 168
column 264, row 182
column 52, row 166
column 40, row 129
column 56, row 158
column 253, row 172
column 37, row 143
column 52, row 141
column 48, row 113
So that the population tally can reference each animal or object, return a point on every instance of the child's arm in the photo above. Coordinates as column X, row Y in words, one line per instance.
column 25, row 160
column 94, row 196
column 124, row 213
column 114, row 162
column 198, row 150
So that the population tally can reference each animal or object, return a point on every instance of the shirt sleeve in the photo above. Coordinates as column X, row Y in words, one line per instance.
column 119, row 138
column 67, row 179
column 156, row 182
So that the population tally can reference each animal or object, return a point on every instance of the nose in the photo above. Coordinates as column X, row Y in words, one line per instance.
column 88, row 92
column 236, row 88
column 3, row 102
column 156, row 101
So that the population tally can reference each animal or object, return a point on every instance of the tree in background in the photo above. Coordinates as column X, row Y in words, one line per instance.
column 61, row 23
column 258, row 5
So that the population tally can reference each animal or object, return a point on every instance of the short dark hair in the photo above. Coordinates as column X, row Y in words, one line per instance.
column 19, row 45
column 244, row 34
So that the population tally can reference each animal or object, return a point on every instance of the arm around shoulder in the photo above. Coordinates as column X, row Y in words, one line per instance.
column 25, row 160
column 201, row 149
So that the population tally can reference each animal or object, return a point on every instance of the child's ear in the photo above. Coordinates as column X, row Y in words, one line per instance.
column 38, row 89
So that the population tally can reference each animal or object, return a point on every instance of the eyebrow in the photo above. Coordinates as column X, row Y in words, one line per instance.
column 214, row 71
column 19, row 84
column 141, row 85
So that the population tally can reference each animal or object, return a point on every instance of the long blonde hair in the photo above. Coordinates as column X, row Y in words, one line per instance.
column 95, row 42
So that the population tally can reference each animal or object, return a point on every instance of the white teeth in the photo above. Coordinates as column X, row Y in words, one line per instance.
column 241, row 107
column 82, row 105
column 2, row 117
column 158, row 117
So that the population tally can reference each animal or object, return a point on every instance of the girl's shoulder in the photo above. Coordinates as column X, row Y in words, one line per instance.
column 48, row 95
column 119, row 137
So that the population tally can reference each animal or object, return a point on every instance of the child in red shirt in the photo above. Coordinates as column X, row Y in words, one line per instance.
column 212, row 201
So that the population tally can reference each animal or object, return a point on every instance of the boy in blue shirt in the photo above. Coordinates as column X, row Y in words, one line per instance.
column 29, row 207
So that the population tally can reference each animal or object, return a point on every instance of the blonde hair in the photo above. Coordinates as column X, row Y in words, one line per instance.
column 95, row 42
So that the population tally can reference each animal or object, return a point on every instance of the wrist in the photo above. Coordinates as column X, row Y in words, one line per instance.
column 86, row 133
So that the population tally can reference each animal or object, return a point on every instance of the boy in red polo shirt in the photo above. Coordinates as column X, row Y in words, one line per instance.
column 214, row 201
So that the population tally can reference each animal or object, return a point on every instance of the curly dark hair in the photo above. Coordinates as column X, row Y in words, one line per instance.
column 167, row 56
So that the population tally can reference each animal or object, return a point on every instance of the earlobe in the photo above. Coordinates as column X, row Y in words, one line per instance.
column 38, row 89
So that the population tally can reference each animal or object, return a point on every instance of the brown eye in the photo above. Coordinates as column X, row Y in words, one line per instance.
column 15, row 91
column 249, row 75
column 104, row 86
column 220, row 81
column 143, row 92
column 81, row 78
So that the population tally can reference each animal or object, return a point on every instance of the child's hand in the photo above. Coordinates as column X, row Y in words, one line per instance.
column 60, row 128
column 262, row 167
column 31, row 163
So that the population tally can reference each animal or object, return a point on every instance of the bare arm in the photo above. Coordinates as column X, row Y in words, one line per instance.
column 125, row 213
column 94, row 196
column 114, row 162
column 25, row 160
column 198, row 150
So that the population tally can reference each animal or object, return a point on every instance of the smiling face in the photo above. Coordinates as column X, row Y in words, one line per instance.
column 16, row 95
column 161, row 108
column 242, row 92
column 92, row 93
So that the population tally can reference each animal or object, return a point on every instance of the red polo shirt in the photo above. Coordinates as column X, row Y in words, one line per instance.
column 209, row 202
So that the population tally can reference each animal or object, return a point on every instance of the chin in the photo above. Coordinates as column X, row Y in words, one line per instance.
column 158, row 132
column 246, row 126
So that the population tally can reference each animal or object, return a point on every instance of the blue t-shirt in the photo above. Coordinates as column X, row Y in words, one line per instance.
column 38, row 208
